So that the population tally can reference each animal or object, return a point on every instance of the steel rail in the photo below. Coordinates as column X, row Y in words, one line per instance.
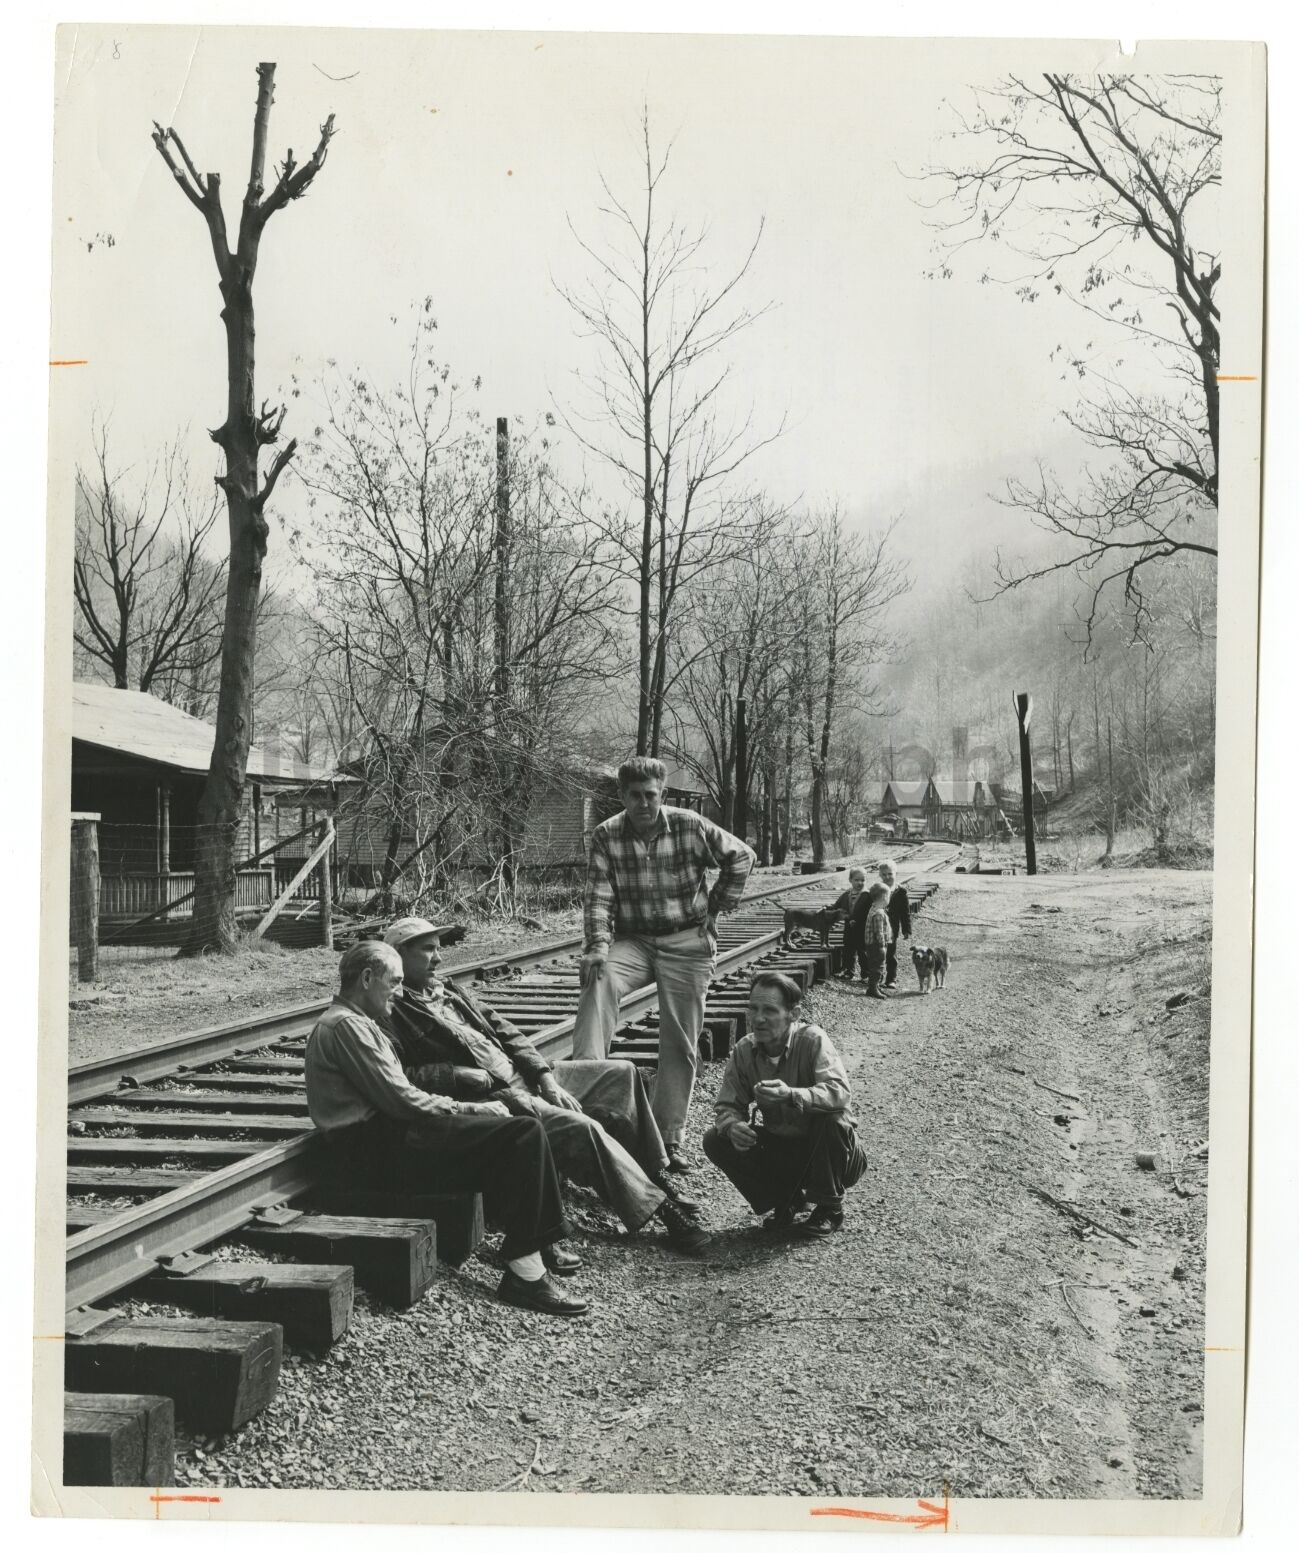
column 110, row 1256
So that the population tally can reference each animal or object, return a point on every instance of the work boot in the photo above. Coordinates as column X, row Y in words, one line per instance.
column 563, row 1264
column 662, row 1178
column 683, row 1233
column 825, row 1219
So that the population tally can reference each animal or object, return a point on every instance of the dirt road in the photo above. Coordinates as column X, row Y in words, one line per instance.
column 962, row 1330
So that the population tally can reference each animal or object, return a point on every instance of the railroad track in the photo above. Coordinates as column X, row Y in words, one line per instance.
column 208, row 1136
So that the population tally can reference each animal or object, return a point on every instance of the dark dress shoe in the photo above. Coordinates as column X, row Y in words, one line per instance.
column 663, row 1180
column 679, row 1163
column 822, row 1221
column 781, row 1221
column 560, row 1262
column 539, row 1294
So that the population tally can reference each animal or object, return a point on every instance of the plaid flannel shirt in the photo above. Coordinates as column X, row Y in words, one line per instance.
column 641, row 889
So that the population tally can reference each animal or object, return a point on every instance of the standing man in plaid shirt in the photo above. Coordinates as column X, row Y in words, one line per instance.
column 649, row 916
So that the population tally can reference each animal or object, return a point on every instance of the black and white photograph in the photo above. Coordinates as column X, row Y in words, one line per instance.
column 639, row 644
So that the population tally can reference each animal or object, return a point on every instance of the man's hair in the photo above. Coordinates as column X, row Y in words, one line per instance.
column 879, row 892
column 788, row 990
column 369, row 954
column 641, row 768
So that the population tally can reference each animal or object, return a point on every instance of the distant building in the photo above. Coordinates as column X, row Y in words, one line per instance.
column 565, row 806
column 944, row 806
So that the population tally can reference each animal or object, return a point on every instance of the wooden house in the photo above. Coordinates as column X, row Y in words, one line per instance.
column 910, row 804
column 140, row 765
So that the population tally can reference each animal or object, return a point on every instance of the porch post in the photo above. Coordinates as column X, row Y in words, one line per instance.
column 85, row 894
column 164, row 844
column 327, row 889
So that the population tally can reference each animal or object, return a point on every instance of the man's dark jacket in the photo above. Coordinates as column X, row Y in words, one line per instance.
column 436, row 1058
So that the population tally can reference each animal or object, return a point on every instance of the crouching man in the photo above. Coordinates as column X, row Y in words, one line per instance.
column 596, row 1114
column 783, row 1132
column 380, row 1130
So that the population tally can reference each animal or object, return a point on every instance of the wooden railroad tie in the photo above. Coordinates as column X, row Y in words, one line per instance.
column 118, row 1441
column 312, row 1302
column 461, row 1227
column 218, row 1373
column 393, row 1258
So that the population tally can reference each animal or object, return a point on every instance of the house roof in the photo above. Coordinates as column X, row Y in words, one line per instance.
column 952, row 791
column 132, row 722
column 906, row 794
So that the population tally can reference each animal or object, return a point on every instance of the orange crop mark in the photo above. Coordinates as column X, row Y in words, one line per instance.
column 1222, row 1350
column 84, row 361
column 1236, row 377
column 935, row 1514
column 161, row 1499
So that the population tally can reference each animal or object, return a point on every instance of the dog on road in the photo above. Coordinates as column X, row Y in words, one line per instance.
column 930, row 964
column 819, row 921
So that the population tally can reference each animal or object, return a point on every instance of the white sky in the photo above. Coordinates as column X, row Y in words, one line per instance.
column 457, row 161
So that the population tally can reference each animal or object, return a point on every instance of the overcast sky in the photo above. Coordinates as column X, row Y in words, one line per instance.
column 458, row 161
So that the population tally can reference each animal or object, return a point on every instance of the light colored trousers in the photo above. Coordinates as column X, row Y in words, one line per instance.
column 612, row 1144
column 681, row 965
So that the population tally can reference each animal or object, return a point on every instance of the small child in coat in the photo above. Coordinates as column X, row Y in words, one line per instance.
column 852, row 903
column 879, row 935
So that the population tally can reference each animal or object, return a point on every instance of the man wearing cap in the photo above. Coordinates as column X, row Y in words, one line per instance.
column 596, row 1115
column 379, row 1129
column 650, row 916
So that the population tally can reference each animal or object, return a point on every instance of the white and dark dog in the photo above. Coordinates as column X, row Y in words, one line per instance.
column 930, row 964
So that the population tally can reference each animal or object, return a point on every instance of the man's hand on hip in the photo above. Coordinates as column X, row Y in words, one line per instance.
column 592, row 966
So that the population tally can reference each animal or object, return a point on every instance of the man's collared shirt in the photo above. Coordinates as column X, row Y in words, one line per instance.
column 808, row 1063
column 353, row 1073
column 647, row 887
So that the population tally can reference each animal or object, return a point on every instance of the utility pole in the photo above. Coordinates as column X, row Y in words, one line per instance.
column 1024, row 713
column 741, row 821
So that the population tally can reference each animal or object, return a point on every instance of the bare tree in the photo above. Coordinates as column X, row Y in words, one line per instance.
column 734, row 641
column 241, row 437
column 845, row 582
column 147, row 594
column 464, row 603
column 659, row 416
column 1103, row 190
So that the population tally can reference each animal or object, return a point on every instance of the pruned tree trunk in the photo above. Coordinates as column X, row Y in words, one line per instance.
column 241, row 437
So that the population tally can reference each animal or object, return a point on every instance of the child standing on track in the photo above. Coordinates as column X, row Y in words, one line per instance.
column 853, row 905
column 879, row 934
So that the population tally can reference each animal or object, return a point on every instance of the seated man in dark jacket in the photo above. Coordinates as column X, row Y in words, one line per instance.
column 596, row 1115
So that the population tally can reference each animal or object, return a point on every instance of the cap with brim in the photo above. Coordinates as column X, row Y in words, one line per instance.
column 407, row 928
